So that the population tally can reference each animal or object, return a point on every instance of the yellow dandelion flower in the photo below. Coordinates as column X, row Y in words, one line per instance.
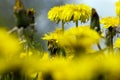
column 76, row 38
column 8, row 44
column 77, row 13
column 74, row 12
column 9, row 51
column 117, row 43
column 111, row 63
column 54, row 67
column 118, row 8
column 53, row 35
column 54, row 14
column 67, row 13
column 110, row 22
column 84, row 12
column 70, row 12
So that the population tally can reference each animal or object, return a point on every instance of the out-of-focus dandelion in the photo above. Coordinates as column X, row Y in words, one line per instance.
column 53, row 46
column 9, row 52
column 53, row 35
column 76, row 39
column 118, row 8
column 85, row 68
column 112, row 66
column 9, row 45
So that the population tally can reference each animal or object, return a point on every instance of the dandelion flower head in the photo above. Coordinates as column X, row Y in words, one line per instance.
column 109, row 21
column 81, row 37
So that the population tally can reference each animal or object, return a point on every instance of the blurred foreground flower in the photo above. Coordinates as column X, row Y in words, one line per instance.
column 9, row 45
column 78, row 39
column 9, row 52
column 99, row 67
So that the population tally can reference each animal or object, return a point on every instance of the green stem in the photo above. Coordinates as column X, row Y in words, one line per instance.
column 111, row 42
column 63, row 25
column 110, row 39
column 99, row 47
column 76, row 23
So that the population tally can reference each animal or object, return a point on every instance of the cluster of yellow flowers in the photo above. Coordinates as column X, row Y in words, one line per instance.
column 70, row 12
column 118, row 8
column 110, row 22
column 86, row 68
column 77, row 40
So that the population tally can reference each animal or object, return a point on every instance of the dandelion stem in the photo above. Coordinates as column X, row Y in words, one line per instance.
column 62, row 25
column 111, row 43
column 110, row 35
column 111, row 39
column 99, row 47
column 76, row 23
